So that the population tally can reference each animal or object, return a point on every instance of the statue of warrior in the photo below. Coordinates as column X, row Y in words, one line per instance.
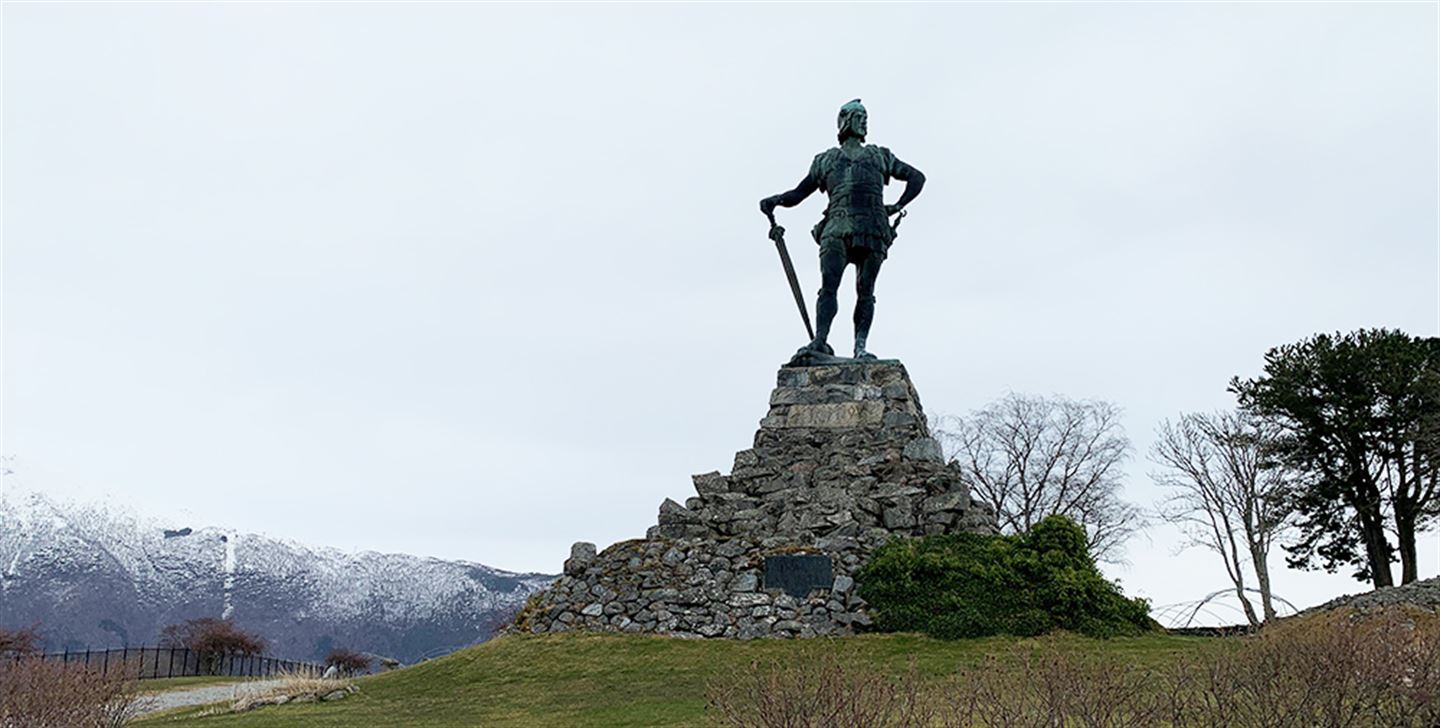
column 856, row 225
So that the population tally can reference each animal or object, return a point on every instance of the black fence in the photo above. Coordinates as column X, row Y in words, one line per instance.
column 146, row 663
column 1234, row 630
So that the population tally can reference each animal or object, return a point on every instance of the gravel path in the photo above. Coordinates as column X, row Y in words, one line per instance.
column 182, row 697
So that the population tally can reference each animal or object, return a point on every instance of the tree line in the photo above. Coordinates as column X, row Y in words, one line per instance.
column 1333, row 452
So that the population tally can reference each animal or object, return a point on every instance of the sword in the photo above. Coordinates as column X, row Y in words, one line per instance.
column 777, row 234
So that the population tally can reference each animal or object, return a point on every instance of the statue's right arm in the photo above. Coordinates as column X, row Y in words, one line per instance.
column 792, row 198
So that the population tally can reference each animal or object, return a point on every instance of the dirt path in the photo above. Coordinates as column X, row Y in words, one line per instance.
column 181, row 697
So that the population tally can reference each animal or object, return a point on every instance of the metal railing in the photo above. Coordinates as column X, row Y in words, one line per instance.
column 147, row 663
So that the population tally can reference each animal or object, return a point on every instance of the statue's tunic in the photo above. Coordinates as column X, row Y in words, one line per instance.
column 855, row 217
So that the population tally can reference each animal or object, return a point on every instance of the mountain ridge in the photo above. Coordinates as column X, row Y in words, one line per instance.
column 97, row 577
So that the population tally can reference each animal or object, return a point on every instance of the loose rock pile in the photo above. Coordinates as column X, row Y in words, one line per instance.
column 1424, row 594
column 842, row 463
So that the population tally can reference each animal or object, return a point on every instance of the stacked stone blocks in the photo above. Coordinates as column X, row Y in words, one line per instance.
column 842, row 463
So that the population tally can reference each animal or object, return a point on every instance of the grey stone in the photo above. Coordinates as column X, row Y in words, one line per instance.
column 594, row 610
column 844, row 415
column 924, row 448
column 892, row 491
column 674, row 513
column 843, row 584
column 746, row 600
column 899, row 419
column 951, row 501
column 710, row 484
column 899, row 516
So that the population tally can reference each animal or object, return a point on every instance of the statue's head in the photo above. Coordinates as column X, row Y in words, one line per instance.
column 852, row 121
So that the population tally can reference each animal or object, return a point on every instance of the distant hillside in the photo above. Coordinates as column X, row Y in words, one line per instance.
column 96, row 578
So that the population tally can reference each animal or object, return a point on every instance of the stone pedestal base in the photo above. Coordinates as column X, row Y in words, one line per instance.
column 842, row 463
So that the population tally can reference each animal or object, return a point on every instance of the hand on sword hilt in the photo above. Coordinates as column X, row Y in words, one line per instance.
column 777, row 233
column 899, row 215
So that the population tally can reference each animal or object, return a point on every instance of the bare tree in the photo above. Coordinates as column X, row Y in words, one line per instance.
column 212, row 639
column 1034, row 456
column 1225, row 496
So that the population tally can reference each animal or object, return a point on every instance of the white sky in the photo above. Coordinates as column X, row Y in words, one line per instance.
column 478, row 281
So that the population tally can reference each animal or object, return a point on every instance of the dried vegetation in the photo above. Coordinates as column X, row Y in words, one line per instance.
column 1377, row 669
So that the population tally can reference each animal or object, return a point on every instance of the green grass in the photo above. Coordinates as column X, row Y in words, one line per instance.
column 615, row 680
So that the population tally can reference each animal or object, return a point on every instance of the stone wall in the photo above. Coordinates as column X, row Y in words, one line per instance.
column 842, row 463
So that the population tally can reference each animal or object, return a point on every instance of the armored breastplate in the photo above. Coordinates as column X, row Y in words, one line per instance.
column 856, row 184
column 857, row 191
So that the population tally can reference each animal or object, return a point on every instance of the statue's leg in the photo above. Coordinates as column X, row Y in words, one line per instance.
column 832, row 267
column 867, row 269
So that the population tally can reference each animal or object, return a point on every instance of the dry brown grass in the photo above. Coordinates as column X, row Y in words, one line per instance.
column 295, row 688
column 39, row 693
column 1341, row 669
column 821, row 694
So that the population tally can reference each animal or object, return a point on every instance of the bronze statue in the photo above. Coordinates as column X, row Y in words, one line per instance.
column 856, row 226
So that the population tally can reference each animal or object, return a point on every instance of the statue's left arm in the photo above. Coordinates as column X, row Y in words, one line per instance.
column 914, row 181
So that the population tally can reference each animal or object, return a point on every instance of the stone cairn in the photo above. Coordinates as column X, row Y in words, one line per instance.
column 842, row 463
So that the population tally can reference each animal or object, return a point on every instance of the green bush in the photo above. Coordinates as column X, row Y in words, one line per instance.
column 966, row 585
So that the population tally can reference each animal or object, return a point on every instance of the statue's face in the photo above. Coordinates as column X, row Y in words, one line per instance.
column 855, row 121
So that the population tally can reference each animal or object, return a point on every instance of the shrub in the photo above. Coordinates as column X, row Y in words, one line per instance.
column 968, row 585
column 212, row 639
column 40, row 693
column 347, row 661
column 19, row 641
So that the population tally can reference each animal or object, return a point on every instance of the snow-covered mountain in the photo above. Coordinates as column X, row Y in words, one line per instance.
column 95, row 577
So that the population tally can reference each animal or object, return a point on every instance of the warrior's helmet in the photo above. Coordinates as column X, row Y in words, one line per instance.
column 851, row 120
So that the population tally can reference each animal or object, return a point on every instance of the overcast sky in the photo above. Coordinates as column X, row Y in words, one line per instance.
column 478, row 281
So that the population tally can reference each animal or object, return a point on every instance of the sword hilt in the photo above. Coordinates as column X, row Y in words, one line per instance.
column 774, row 226
column 895, row 228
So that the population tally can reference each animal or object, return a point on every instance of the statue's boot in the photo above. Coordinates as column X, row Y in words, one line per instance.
column 819, row 346
column 815, row 352
column 860, row 352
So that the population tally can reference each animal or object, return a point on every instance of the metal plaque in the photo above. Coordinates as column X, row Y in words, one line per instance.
column 799, row 574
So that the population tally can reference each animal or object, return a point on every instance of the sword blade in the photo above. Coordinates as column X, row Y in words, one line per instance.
column 794, row 284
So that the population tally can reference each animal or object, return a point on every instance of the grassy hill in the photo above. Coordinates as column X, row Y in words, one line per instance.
column 620, row 680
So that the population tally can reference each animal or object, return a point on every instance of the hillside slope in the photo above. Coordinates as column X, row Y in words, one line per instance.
column 578, row 679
